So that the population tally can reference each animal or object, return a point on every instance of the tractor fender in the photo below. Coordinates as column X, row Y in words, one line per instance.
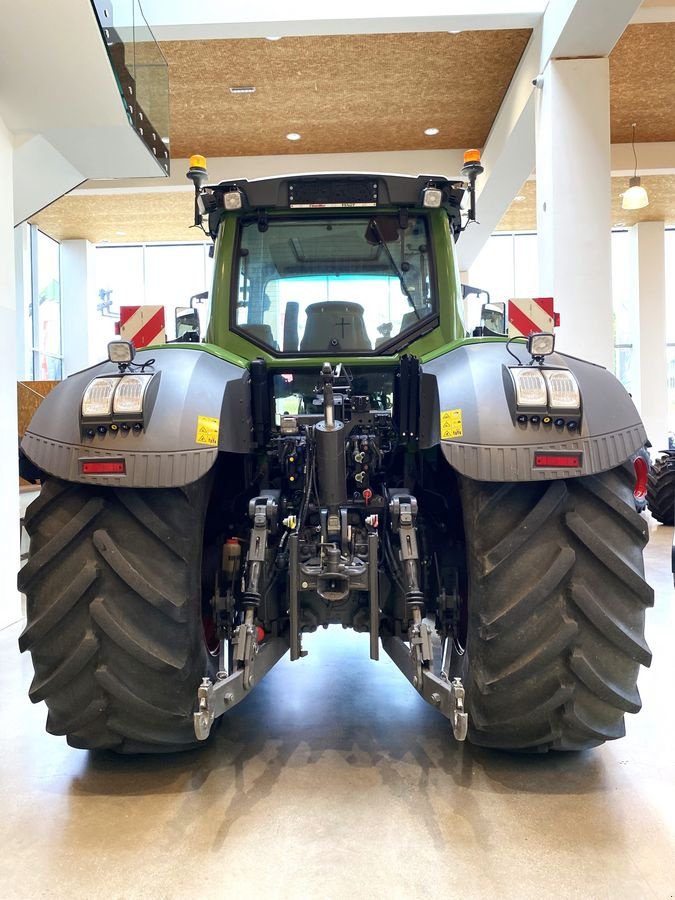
column 201, row 406
column 472, row 383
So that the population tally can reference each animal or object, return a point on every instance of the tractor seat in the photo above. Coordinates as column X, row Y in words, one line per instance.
column 338, row 325
column 261, row 333
column 412, row 317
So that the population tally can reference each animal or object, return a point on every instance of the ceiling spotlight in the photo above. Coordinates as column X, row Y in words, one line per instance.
column 519, row 198
column 293, row 136
column 636, row 196
column 455, row 32
column 431, row 131
column 244, row 89
column 274, row 38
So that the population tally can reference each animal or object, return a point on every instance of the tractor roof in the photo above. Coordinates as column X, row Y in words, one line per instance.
column 337, row 191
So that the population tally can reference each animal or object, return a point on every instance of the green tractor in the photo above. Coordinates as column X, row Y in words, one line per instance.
column 336, row 450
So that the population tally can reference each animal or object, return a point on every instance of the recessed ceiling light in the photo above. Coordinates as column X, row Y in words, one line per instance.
column 120, row 233
column 431, row 131
column 293, row 136
column 275, row 38
column 519, row 198
column 455, row 32
column 244, row 89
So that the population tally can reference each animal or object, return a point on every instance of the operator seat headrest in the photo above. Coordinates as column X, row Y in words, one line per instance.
column 335, row 324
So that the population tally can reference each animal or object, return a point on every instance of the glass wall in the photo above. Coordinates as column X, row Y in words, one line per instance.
column 506, row 267
column 626, row 315
column 670, row 324
column 148, row 274
column 44, row 317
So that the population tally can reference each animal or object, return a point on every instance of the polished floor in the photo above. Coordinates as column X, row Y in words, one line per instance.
column 334, row 780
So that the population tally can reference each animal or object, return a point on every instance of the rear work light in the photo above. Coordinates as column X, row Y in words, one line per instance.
column 530, row 388
column 557, row 460
column 129, row 394
column 97, row 399
column 102, row 467
column 562, row 388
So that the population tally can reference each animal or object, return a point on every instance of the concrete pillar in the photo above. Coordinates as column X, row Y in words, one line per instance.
column 77, row 303
column 10, row 606
column 574, row 204
column 648, row 277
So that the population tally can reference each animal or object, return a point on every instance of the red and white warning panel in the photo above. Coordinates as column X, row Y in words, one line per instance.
column 142, row 325
column 528, row 315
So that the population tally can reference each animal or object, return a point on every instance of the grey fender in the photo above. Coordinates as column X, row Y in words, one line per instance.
column 493, row 446
column 168, row 452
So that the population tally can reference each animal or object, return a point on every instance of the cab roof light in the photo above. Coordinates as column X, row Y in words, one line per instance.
column 232, row 199
column 432, row 197
column 472, row 168
column 471, row 157
column 198, row 176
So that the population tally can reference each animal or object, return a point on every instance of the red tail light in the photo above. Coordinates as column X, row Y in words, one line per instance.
column 102, row 467
column 557, row 460
column 641, row 472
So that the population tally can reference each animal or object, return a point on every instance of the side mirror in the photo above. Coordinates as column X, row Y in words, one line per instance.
column 493, row 319
column 187, row 324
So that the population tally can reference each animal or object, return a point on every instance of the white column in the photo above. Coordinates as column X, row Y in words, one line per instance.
column 76, row 303
column 10, row 606
column 648, row 273
column 574, row 204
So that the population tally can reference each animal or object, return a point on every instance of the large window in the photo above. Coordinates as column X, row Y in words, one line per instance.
column 351, row 284
column 507, row 267
column 148, row 274
column 626, row 315
column 45, row 308
column 670, row 323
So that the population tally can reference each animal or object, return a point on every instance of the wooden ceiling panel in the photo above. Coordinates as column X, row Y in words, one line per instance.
column 121, row 218
column 522, row 214
column 642, row 83
column 342, row 93
column 166, row 215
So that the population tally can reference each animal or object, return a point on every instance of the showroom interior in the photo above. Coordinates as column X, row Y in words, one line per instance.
column 336, row 776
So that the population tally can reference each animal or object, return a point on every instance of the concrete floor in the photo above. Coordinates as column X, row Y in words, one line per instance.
column 334, row 780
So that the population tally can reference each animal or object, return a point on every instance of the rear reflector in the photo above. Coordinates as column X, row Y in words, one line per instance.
column 102, row 467
column 557, row 460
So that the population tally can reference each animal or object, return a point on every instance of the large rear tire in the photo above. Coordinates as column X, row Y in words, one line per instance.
column 557, row 601
column 661, row 490
column 113, row 590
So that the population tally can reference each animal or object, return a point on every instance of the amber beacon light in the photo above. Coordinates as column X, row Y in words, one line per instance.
column 472, row 168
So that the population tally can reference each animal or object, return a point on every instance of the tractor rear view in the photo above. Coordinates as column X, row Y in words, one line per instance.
column 337, row 451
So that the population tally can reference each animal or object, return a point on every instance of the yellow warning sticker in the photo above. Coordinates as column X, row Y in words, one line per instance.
column 451, row 424
column 207, row 431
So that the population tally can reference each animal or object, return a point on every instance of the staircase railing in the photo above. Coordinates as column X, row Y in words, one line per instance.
column 141, row 71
